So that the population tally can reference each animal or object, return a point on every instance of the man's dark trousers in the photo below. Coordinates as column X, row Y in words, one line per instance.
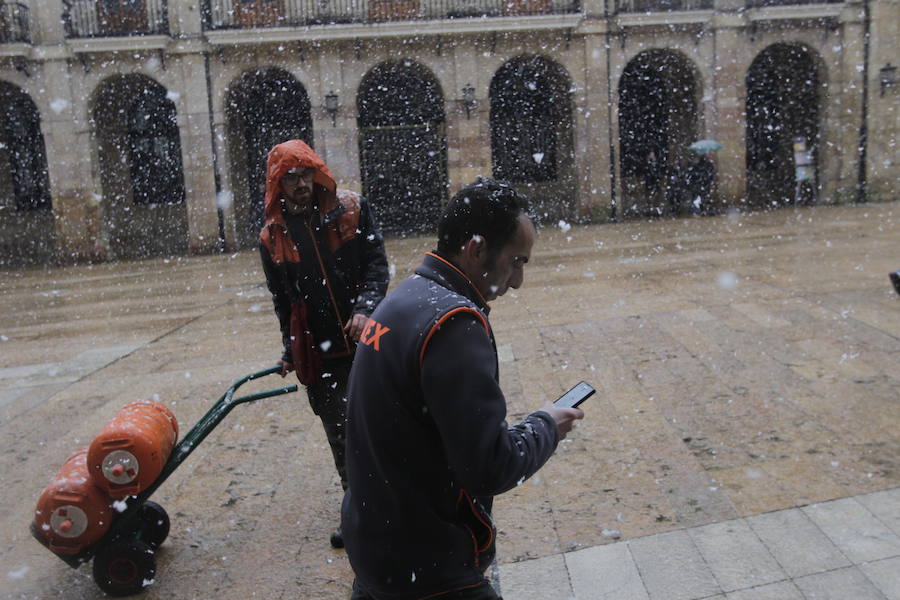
column 328, row 399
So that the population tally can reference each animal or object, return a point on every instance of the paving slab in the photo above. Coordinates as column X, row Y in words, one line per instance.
column 858, row 533
column 605, row 573
column 735, row 555
column 774, row 555
column 538, row 579
column 672, row 567
column 797, row 543
column 782, row 590
column 840, row 584
column 885, row 505
column 885, row 575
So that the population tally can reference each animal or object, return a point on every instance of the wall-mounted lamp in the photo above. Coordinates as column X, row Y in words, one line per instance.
column 887, row 75
column 468, row 98
column 331, row 106
column 22, row 65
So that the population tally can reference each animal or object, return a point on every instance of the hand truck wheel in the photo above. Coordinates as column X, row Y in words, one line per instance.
column 124, row 567
column 152, row 524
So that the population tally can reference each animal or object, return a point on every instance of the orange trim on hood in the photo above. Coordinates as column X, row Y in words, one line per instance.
column 282, row 158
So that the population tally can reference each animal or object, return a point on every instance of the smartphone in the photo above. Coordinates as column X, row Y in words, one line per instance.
column 575, row 396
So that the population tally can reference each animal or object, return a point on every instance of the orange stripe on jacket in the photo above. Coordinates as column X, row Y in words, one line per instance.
column 444, row 318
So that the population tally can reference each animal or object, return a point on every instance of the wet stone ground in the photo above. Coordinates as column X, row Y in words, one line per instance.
column 744, row 364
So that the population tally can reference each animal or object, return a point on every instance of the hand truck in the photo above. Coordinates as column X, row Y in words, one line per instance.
column 124, row 558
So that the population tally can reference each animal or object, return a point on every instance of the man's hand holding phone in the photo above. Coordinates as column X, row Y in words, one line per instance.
column 564, row 410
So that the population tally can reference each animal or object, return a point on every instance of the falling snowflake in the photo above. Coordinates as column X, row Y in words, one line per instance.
column 58, row 105
column 727, row 280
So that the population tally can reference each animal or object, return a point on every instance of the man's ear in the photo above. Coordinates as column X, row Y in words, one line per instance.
column 474, row 250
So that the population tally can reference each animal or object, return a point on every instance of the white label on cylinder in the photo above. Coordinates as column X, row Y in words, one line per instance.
column 68, row 521
column 120, row 467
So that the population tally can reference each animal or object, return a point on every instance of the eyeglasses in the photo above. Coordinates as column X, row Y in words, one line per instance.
column 292, row 178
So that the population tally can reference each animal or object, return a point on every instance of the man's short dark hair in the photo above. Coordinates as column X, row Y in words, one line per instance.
column 488, row 208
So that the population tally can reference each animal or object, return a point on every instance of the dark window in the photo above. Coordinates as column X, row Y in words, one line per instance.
column 644, row 115
column 266, row 107
column 23, row 147
column 526, row 101
column 154, row 150
column 783, row 102
column 403, row 149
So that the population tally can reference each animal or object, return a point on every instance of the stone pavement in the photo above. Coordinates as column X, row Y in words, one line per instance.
column 744, row 441
column 837, row 550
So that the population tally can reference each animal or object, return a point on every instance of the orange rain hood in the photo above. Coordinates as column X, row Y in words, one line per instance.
column 283, row 158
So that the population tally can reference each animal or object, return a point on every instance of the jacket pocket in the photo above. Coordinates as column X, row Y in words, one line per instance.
column 477, row 520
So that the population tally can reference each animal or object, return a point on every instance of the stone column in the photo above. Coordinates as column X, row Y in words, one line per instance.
column 336, row 142
column 196, row 151
column 617, row 63
column 468, row 131
column 225, row 198
column 77, row 212
column 595, row 9
column 884, row 102
column 76, row 197
column 185, row 18
column 46, row 23
column 842, row 110
column 593, row 129
column 728, row 123
column 186, row 56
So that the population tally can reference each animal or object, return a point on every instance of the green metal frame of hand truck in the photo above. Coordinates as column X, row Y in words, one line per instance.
column 127, row 523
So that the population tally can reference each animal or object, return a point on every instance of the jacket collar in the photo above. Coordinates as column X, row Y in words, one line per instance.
column 440, row 269
column 328, row 211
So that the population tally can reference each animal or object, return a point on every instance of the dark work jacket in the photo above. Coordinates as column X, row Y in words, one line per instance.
column 339, row 273
column 427, row 442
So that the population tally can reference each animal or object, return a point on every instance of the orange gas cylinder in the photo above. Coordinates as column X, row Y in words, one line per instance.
column 72, row 513
column 132, row 449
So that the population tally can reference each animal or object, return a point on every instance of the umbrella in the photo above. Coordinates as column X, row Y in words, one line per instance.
column 704, row 146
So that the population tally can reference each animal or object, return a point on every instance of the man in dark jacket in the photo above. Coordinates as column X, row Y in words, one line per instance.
column 326, row 267
column 427, row 442
column 701, row 178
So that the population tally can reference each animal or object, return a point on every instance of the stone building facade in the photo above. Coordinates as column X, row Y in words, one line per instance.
column 139, row 127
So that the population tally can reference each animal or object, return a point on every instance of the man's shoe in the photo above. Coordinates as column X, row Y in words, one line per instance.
column 895, row 279
column 337, row 538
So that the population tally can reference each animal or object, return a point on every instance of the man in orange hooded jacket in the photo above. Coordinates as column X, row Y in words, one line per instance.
column 326, row 268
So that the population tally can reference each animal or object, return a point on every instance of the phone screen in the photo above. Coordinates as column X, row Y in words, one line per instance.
column 575, row 396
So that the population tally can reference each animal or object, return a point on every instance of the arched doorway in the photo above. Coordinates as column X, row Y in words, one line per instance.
column 139, row 152
column 26, row 225
column 531, row 133
column 264, row 107
column 783, row 104
column 402, row 146
column 659, row 96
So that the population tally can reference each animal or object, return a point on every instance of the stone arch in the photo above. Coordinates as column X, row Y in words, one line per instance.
column 532, row 133
column 263, row 108
column 403, row 145
column 659, row 104
column 26, row 224
column 138, row 151
column 784, row 102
